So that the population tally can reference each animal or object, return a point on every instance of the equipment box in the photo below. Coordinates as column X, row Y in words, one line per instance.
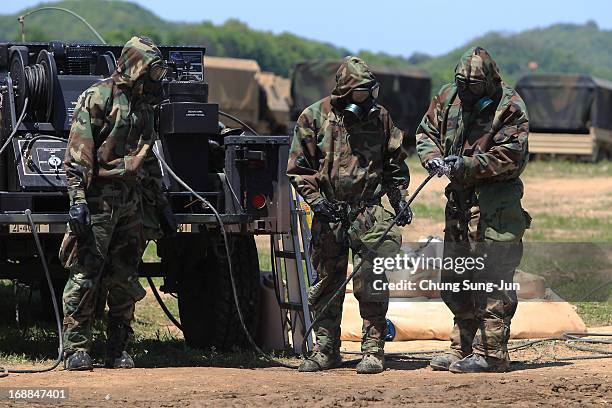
column 256, row 168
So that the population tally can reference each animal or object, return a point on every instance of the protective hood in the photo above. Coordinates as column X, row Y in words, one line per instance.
column 136, row 57
column 353, row 72
column 476, row 63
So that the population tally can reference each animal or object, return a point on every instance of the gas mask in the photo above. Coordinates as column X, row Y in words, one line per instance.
column 472, row 93
column 150, row 84
column 361, row 105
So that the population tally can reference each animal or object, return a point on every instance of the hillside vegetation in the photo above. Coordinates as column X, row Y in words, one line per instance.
column 558, row 48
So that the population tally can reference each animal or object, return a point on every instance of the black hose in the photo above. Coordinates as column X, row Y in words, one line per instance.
column 36, row 85
column 229, row 262
column 250, row 339
column 378, row 243
column 570, row 337
column 29, row 144
column 17, row 124
column 167, row 311
column 4, row 371
column 569, row 341
column 240, row 122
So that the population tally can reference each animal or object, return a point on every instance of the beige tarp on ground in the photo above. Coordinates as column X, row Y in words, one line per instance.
column 232, row 84
column 540, row 313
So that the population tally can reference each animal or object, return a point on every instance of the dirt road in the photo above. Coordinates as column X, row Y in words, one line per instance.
column 412, row 383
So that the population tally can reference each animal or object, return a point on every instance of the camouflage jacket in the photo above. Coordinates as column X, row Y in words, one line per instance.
column 493, row 142
column 354, row 164
column 112, row 128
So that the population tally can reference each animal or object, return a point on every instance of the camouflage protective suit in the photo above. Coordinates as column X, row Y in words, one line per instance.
column 108, row 152
column 483, row 213
column 352, row 165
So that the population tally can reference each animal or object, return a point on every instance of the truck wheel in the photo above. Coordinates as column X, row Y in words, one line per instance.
column 206, row 301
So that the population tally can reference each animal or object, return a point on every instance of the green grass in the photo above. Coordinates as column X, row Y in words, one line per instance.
column 595, row 313
column 548, row 227
column 568, row 168
column 150, row 254
column 158, row 344
column 429, row 211
column 544, row 168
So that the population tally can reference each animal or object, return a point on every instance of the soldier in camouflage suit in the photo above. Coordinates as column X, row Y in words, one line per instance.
column 109, row 148
column 345, row 155
column 477, row 127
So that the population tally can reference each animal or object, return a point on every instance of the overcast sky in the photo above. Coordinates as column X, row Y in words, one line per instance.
column 396, row 27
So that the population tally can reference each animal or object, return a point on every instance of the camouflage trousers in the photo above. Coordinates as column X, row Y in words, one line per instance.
column 485, row 222
column 105, row 262
column 329, row 253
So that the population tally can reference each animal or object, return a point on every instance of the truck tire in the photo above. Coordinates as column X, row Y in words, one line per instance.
column 206, row 301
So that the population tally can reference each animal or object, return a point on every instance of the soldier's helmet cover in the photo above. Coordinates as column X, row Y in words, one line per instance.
column 139, row 54
column 477, row 69
column 354, row 74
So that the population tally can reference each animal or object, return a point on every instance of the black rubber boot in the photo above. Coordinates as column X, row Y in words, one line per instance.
column 443, row 361
column 319, row 361
column 78, row 361
column 117, row 339
column 371, row 364
column 123, row 361
column 476, row 363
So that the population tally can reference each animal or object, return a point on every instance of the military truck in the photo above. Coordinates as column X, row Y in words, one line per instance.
column 242, row 176
column 242, row 89
column 404, row 92
column 569, row 115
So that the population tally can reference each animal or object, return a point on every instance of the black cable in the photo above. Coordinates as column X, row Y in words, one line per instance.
column 229, row 263
column 594, row 290
column 58, row 320
column 29, row 144
column 570, row 336
column 231, row 272
column 229, row 185
column 371, row 251
column 573, row 337
column 167, row 311
column 17, row 124
column 36, row 85
column 240, row 122
column 569, row 340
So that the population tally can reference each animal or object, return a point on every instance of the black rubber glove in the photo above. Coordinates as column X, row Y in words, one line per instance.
column 400, row 206
column 167, row 221
column 79, row 219
column 436, row 166
column 456, row 166
column 326, row 210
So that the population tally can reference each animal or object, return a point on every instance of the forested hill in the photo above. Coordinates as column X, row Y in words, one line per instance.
column 558, row 48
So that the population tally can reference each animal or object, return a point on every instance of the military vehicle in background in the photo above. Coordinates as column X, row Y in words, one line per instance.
column 261, row 99
column 404, row 92
column 568, row 115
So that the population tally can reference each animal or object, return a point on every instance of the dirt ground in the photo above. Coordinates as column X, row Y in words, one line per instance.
column 565, row 196
column 537, row 377
column 530, row 383
column 579, row 196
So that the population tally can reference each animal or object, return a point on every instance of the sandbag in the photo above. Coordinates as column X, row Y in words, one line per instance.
column 430, row 319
